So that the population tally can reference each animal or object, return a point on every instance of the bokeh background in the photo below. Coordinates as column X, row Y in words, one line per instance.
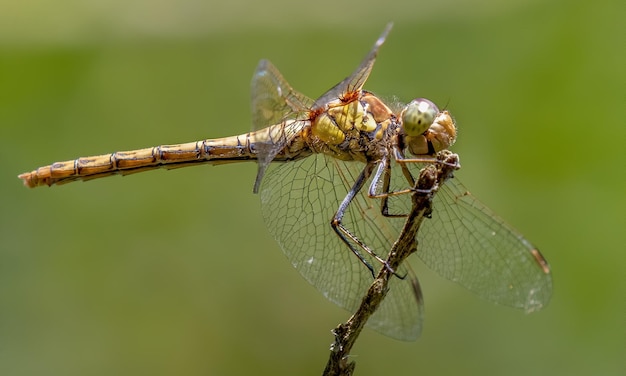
column 173, row 272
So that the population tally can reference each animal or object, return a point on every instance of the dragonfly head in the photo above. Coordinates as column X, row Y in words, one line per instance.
column 442, row 133
column 427, row 129
column 418, row 116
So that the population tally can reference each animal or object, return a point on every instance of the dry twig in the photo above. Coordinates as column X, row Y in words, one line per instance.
column 430, row 179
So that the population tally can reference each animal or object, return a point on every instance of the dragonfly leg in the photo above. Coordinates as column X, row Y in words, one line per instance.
column 383, row 174
column 425, row 158
column 348, row 237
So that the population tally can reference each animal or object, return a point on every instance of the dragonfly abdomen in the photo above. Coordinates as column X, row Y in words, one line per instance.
column 229, row 149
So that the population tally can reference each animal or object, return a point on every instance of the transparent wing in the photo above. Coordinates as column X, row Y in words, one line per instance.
column 463, row 241
column 354, row 83
column 275, row 104
column 273, row 99
column 298, row 202
column 467, row 243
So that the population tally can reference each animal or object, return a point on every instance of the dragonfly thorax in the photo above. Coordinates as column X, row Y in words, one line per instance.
column 354, row 130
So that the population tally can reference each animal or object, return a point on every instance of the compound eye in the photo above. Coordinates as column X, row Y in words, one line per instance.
column 418, row 116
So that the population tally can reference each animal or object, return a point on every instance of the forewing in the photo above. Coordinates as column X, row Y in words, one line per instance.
column 467, row 243
column 356, row 80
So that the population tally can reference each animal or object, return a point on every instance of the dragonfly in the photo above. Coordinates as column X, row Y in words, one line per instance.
column 334, row 178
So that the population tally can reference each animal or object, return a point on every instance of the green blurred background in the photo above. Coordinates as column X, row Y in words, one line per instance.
column 173, row 272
